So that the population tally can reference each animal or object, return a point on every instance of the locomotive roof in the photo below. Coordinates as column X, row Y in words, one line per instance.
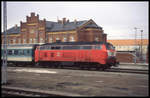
column 75, row 43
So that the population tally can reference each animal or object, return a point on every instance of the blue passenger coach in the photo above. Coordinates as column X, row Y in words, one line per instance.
column 20, row 54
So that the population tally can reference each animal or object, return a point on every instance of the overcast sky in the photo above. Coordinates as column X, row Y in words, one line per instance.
column 118, row 19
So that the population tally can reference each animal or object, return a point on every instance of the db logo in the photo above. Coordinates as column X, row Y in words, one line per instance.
column 58, row 53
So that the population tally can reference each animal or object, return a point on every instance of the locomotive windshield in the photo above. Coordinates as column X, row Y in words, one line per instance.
column 110, row 47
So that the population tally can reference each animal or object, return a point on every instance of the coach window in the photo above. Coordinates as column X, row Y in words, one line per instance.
column 9, row 52
column 28, row 52
column 16, row 52
column 21, row 52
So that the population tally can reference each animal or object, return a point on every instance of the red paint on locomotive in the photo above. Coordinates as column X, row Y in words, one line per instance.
column 91, row 55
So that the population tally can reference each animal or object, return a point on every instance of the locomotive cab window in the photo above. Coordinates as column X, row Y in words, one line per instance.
column 56, row 47
column 41, row 48
column 87, row 47
column 71, row 47
column 98, row 47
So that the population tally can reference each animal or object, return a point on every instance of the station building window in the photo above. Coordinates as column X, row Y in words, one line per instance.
column 24, row 41
column 65, row 39
column 50, row 39
column 41, row 40
column 72, row 39
column 30, row 40
column 96, row 39
column 14, row 41
column 19, row 40
column 34, row 40
column 32, row 30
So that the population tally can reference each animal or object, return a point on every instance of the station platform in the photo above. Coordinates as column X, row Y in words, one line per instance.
column 79, row 82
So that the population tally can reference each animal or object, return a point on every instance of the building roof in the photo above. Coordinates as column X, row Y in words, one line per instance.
column 57, row 26
column 128, row 42
column 13, row 30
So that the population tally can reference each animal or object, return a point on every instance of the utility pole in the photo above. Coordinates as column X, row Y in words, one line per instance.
column 141, row 45
column 4, row 63
column 135, row 44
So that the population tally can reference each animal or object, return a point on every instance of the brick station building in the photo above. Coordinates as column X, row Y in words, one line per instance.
column 42, row 31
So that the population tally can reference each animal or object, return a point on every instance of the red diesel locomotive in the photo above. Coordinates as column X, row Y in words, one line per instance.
column 92, row 54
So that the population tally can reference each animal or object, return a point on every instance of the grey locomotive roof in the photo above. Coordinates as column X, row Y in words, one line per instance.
column 55, row 26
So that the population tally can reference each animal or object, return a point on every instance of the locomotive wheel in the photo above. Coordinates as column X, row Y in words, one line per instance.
column 81, row 67
column 61, row 66
column 88, row 67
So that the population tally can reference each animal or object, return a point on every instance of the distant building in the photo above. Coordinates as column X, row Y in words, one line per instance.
column 129, row 45
column 42, row 31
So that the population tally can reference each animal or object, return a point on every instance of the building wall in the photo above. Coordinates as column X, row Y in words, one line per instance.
column 63, row 36
column 33, row 31
column 90, row 34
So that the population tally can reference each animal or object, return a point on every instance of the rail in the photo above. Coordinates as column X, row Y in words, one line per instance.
column 123, row 70
column 18, row 91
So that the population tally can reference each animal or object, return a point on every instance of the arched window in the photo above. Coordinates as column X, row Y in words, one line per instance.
column 41, row 40
column 50, row 39
column 72, row 39
column 65, row 39
column 96, row 39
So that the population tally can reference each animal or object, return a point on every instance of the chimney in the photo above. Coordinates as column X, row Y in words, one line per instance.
column 75, row 21
column 44, row 20
column 32, row 14
column 38, row 16
column 59, row 21
column 68, row 21
column 64, row 21
column 16, row 26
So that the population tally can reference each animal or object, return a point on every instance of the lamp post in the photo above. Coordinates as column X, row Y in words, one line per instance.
column 135, row 44
column 4, row 63
column 141, row 45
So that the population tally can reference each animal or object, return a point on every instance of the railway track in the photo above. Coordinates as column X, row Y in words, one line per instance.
column 16, row 91
column 123, row 70
column 114, row 69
